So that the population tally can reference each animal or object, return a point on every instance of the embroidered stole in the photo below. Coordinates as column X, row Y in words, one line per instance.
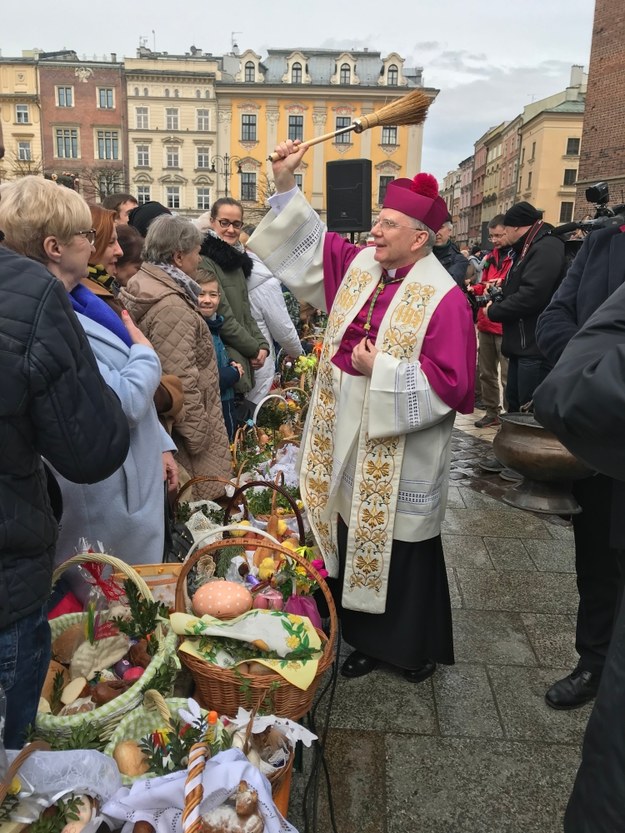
column 328, row 445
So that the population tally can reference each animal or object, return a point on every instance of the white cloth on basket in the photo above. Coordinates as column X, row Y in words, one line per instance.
column 160, row 801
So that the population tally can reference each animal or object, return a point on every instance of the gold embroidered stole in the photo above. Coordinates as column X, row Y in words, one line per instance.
column 378, row 461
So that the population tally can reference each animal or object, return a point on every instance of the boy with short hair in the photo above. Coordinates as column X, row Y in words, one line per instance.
column 229, row 371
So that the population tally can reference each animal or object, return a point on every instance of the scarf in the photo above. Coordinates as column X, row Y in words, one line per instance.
column 84, row 301
column 227, row 257
column 191, row 289
column 101, row 276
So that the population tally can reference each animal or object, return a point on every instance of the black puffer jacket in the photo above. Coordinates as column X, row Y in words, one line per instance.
column 527, row 289
column 53, row 402
column 453, row 260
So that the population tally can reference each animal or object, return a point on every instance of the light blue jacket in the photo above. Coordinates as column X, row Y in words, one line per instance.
column 125, row 512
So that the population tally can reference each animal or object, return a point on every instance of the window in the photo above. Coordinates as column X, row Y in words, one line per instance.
column 171, row 118
column 23, row 152
column 143, row 156
column 345, row 75
column 105, row 98
column 533, row 156
column 143, row 194
column 198, row 93
column 203, row 199
column 299, row 181
column 392, row 76
column 173, row 196
column 66, row 142
column 141, row 118
column 248, row 127
column 176, row 93
column 136, row 91
column 203, row 157
column 296, row 128
column 570, row 176
column 108, row 144
column 145, row 91
column 529, row 180
column 166, row 93
column 65, row 96
column 250, row 72
column 172, row 156
column 522, row 155
column 248, row 187
column 296, row 74
column 343, row 138
column 202, row 119
column 572, row 147
column 566, row 212
column 21, row 114
column 382, row 185
column 389, row 135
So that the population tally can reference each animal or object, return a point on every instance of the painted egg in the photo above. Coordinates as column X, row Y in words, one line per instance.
column 222, row 599
column 133, row 673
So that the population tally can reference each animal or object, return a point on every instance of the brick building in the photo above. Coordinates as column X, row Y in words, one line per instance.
column 603, row 140
column 83, row 121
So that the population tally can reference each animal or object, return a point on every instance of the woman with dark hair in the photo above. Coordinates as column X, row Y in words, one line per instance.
column 130, row 260
column 163, row 299
column 224, row 256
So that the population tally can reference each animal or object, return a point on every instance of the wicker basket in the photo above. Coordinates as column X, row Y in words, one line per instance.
column 221, row 688
column 105, row 718
column 239, row 496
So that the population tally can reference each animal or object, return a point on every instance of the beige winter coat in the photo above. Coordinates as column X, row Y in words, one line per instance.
column 184, row 345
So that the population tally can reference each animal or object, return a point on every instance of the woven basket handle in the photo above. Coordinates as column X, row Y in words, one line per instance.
column 267, row 484
column 154, row 700
column 193, row 481
column 180, row 606
column 102, row 558
column 12, row 771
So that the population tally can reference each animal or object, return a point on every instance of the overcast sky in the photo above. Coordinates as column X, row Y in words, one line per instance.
column 487, row 59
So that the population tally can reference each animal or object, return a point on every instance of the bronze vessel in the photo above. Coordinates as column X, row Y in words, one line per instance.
column 548, row 468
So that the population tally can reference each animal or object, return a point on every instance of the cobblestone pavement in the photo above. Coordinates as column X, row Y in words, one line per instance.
column 474, row 749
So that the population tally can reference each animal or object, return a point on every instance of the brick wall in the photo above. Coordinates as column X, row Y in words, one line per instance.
column 603, row 139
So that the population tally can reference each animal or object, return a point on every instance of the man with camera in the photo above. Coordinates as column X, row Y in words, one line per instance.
column 490, row 359
column 539, row 266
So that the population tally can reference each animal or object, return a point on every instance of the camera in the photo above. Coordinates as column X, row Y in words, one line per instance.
column 493, row 293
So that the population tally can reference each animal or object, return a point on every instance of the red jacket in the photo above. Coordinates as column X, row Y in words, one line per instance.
column 494, row 272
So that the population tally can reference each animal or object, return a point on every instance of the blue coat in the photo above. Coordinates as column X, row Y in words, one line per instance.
column 126, row 511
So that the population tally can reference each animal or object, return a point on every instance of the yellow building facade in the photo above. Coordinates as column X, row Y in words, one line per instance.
column 20, row 118
column 549, row 159
column 305, row 94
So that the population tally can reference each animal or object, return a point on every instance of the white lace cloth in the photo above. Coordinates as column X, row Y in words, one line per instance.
column 48, row 776
column 160, row 801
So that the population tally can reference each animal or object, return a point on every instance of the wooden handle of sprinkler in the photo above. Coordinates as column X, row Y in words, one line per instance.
column 318, row 139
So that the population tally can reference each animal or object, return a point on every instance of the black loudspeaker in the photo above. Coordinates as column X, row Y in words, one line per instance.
column 348, row 186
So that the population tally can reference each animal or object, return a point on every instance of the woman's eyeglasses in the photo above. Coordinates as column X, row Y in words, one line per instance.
column 89, row 234
column 237, row 224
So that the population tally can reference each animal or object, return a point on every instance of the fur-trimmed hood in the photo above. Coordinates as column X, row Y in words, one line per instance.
column 226, row 256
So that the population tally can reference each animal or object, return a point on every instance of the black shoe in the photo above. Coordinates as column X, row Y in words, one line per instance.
column 358, row 664
column 420, row 674
column 573, row 691
column 510, row 475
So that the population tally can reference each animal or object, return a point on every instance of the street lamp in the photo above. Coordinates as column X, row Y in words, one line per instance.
column 224, row 167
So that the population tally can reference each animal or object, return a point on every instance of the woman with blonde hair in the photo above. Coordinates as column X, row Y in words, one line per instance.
column 126, row 511
column 163, row 299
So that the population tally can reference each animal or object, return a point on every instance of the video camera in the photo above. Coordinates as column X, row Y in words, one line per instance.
column 605, row 216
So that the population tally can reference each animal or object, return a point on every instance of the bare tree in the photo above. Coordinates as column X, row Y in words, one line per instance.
column 98, row 181
column 14, row 167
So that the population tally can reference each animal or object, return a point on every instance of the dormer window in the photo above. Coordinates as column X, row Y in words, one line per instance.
column 296, row 73
column 392, row 76
column 250, row 72
column 345, row 76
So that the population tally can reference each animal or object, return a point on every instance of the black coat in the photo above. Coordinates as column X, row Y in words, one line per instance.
column 53, row 402
column 527, row 290
column 453, row 260
column 598, row 269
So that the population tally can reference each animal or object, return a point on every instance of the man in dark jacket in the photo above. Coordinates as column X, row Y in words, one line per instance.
column 539, row 266
column 597, row 271
column 448, row 255
column 53, row 403
column 583, row 402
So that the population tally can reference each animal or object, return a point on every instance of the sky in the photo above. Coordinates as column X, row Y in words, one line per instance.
column 487, row 59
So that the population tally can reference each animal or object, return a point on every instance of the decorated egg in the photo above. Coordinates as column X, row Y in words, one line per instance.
column 221, row 599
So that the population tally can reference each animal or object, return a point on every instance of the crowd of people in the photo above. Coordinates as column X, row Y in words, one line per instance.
column 134, row 342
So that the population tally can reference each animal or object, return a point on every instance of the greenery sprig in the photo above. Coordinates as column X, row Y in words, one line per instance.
column 144, row 617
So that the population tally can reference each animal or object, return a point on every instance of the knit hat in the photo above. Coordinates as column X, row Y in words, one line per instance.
column 141, row 216
column 521, row 214
column 419, row 199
